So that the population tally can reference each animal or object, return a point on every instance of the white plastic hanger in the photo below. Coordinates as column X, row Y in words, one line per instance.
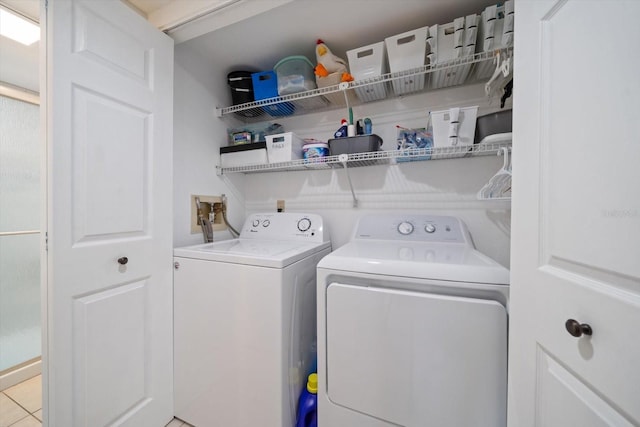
column 500, row 74
column 499, row 186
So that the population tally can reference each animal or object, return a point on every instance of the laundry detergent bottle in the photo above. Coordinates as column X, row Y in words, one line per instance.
column 308, row 403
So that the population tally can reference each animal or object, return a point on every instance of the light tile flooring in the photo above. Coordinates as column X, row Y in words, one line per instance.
column 21, row 405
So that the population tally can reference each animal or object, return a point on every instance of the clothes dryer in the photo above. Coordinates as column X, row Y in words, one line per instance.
column 412, row 327
column 245, row 322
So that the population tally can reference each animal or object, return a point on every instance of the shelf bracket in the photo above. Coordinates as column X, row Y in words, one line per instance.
column 343, row 159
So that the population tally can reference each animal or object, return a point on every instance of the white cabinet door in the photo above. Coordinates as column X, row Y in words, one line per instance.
column 109, row 140
column 576, row 215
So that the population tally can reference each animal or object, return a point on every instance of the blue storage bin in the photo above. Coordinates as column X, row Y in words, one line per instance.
column 265, row 85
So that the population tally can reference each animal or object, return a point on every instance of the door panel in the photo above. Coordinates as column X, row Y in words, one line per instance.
column 109, row 387
column 566, row 401
column 588, row 124
column 102, row 151
column 576, row 215
column 100, row 40
column 109, row 111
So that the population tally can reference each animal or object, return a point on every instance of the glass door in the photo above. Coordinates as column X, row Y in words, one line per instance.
column 20, row 206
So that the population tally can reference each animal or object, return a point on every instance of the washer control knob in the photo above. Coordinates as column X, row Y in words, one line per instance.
column 304, row 224
column 266, row 223
column 430, row 228
column 405, row 228
column 256, row 222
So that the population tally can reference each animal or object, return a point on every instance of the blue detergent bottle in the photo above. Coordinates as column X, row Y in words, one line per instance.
column 308, row 403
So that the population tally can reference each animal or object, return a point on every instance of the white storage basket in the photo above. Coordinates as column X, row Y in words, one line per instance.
column 284, row 147
column 494, row 32
column 367, row 63
column 451, row 42
column 407, row 51
column 454, row 127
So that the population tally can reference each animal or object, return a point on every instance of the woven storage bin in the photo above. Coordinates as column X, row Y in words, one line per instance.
column 336, row 98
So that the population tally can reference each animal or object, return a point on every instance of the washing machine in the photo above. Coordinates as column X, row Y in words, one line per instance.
column 245, row 322
column 412, row 327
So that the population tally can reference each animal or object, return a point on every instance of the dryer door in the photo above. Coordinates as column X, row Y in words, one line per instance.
column 410, row 358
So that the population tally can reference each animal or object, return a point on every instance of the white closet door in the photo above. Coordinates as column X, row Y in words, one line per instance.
column 576, row 215
column 109, row 140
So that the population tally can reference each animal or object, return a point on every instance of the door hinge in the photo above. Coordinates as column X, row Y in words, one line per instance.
column 46, row 241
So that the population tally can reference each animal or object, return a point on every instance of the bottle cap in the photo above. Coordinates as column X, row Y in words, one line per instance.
column 312, row 383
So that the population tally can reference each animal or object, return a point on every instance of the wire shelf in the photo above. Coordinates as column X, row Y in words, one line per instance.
column 451, row 73
column 370, row 158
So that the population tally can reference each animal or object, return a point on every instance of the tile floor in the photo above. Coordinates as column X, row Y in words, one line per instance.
column 21, row 405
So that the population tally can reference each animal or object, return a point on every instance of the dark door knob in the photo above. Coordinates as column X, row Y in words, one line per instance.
column 577, row 329
column 123, row 261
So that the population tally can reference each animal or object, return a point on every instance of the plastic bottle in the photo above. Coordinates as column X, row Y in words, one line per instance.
column 342, row 132
column 308, row 403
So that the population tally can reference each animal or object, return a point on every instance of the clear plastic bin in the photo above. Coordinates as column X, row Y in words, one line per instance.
column 295, row 74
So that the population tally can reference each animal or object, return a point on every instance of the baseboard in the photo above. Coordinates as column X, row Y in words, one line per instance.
column 21, row 373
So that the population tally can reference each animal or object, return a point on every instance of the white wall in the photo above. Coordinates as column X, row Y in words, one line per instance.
column 197, row 136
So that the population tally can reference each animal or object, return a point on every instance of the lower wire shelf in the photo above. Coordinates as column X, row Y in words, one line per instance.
column 370, row 158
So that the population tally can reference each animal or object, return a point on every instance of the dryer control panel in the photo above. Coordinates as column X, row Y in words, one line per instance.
column 285, row 226
column 413, row 227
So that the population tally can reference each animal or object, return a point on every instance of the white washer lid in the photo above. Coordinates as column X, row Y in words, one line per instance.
column 436, row 261
column 263, row 253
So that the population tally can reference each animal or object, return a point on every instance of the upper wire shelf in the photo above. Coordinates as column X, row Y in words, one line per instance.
column 371, row 158
column 455, row 72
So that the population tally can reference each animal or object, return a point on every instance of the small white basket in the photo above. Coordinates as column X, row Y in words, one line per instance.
column 448, row 42
column 494, row 32
column 283, row 147
column 407, row 51
column 454, row 127
column 369, row 62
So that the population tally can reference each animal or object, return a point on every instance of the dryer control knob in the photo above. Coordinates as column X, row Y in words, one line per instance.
column 256, row 222
column 304, row 224
column 405, row 228
column 430, row 228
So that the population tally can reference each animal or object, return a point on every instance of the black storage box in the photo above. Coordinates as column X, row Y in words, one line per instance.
column 241, row 86
column 354, row 144
column 491, row 124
